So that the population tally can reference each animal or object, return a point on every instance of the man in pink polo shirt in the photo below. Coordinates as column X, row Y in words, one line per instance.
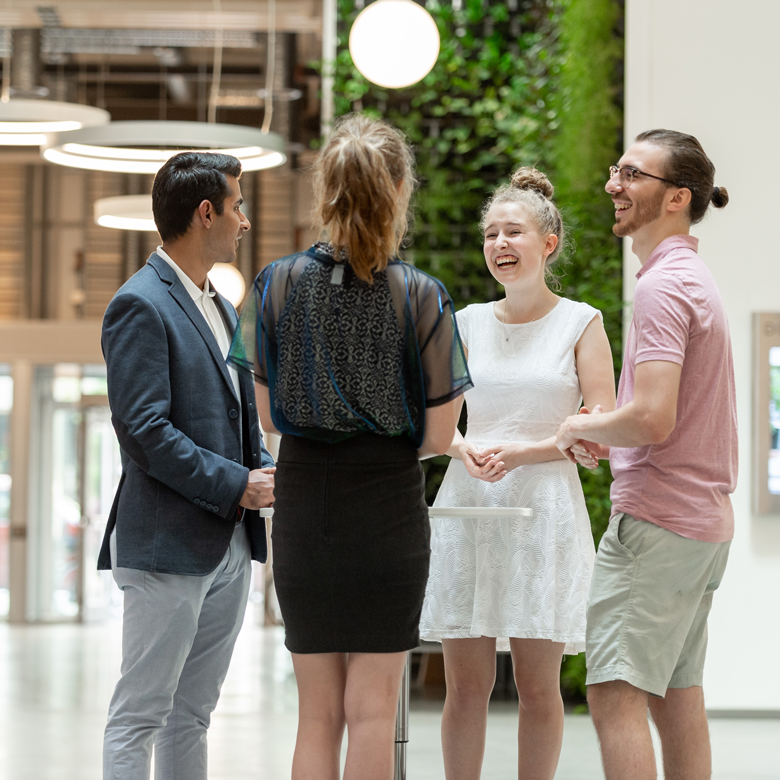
column 672, row 446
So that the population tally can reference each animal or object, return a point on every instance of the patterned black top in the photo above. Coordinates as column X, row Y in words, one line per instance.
column 342, row 357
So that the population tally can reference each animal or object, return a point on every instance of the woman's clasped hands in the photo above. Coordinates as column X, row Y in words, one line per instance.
column 485, row 463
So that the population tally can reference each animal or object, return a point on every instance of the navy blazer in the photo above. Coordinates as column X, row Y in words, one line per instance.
column 186, row 448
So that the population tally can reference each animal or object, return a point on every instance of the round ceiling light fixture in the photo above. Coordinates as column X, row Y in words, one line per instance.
column 125, row 212
column 143, row 147
column 394, row 43
column 26, row 122
column 228, row 281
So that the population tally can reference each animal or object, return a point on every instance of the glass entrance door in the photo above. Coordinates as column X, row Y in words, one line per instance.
column 76, row 471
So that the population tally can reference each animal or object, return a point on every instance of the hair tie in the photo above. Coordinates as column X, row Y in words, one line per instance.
column 715, row 192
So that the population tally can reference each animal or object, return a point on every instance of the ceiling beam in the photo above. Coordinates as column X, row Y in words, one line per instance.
column 246, row 15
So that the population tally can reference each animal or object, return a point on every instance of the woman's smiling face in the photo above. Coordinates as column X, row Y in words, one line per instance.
column 514, row 249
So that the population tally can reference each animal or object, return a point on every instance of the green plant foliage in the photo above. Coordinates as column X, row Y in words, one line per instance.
column 522, row 82
column 588, row 142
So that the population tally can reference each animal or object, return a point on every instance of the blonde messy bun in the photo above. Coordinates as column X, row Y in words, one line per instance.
column 531, row 188
column 532, row 179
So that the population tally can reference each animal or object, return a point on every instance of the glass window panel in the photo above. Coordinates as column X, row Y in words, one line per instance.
column 102, row 469
column 774, row 421
column 94, row 385
column 66, row 511
column 6, row 406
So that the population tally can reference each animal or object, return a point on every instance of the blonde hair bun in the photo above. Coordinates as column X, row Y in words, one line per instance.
column 532, row 179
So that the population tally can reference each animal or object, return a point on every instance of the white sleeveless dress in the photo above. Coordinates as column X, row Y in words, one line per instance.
column 527, row 577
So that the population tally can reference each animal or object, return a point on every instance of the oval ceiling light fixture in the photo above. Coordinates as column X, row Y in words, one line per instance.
column 26, row 122
column 143, row 147
column 125, row 212
column 228, row 281
column 394, row 43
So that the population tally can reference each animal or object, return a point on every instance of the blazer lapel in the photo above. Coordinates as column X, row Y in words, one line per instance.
column 228, row 313
column 245, row 382
column 183, row 298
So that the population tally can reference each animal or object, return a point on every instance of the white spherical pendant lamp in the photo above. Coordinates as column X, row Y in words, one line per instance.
column 394, row 43
column 228, row 281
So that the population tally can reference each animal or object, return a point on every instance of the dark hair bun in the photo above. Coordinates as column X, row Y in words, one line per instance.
column 720, row 197
column 531, row 179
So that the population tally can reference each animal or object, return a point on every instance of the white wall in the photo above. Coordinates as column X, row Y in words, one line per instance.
column 710, row 68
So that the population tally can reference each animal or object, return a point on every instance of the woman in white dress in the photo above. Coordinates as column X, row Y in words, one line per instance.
column 534, row 357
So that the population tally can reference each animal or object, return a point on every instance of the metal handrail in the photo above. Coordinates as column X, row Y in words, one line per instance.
column 402, row 716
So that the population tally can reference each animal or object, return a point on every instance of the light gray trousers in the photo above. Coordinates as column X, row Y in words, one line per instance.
column 177, row 640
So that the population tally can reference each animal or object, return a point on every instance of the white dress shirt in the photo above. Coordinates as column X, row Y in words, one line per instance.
column 204, row 300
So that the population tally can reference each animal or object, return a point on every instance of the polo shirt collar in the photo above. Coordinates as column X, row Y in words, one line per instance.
column 194, row 291
column 665, row 247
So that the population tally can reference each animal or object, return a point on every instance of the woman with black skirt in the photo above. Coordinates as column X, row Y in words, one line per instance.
column 358, row 363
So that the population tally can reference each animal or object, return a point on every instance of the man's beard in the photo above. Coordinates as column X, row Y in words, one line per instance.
column 643, row 213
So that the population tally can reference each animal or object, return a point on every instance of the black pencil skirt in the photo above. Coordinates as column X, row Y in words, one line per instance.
column 351, row 544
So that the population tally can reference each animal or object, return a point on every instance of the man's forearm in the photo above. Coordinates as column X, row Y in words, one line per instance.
column 628, row 426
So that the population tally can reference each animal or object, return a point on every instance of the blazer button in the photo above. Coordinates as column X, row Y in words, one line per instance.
column 232, row 414
column 215, row 508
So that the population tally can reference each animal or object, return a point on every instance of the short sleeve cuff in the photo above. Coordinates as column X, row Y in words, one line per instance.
column 668, row 356
column 449, row 397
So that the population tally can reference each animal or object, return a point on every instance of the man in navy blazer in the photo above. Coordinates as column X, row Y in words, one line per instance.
column 184, row 523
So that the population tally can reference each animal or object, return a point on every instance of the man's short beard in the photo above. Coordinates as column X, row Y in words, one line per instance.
column 646, row 211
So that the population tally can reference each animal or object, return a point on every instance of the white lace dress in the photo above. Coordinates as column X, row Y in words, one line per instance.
column 526, row 577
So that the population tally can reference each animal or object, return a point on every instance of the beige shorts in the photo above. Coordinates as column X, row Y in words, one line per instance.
column 649, row 600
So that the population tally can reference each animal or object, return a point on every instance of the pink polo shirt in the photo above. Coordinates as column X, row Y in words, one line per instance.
column 683, row 484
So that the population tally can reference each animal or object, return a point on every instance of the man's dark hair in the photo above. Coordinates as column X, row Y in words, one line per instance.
column 183, row 183
column 688, row 166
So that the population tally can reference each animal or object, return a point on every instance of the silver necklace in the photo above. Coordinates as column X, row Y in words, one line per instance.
column 508, row 333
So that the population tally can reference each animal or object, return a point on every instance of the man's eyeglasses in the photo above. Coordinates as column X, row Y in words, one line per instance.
column 626, row 175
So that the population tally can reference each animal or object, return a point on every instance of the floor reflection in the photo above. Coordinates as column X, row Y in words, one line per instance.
column 56, row 681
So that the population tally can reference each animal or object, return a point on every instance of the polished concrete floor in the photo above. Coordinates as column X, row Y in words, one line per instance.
column 55, row 683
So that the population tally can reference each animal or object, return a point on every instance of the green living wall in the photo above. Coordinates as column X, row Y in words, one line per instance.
column 521, row 82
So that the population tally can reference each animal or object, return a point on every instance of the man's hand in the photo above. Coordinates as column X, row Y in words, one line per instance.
column 588, row 453
column 577, row 450
column 259, row 491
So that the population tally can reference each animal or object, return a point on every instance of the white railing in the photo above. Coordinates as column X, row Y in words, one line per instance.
column 458, row 511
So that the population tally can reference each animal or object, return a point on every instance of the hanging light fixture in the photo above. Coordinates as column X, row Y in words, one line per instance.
column 26, row 122
column 125, row 212
column 143, row 146
column 394, row 43
column 134, row 212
